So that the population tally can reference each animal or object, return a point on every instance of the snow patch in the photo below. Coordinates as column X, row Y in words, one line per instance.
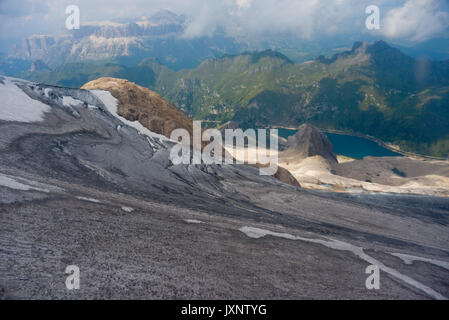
column 257, row 233
column 10, row 182
column 16, row 105
column 408, row 259
column 193, row 221
column 127, row 209
column 343, row 246
column 69, row 101
column 89, row 199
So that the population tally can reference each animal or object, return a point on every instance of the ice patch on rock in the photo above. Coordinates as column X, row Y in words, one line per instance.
column 47, row 92
column 193, row 221
column 69, row 101
column 127, row 209
column 256, row 233
column 89, row 199
column 408, row 259
column 10, row 182
column 16, row 105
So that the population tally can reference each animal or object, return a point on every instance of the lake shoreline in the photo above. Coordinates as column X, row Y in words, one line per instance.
column 375, row 140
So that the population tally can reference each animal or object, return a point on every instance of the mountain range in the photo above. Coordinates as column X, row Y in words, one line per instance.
column 159, row 35
column 373, row 89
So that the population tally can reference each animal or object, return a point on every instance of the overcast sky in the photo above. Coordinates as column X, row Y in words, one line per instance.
column 405, row 20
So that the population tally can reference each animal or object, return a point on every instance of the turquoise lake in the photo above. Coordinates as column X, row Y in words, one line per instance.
column 350, row 146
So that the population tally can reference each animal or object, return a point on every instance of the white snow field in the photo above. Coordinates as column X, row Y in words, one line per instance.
column 17, row 105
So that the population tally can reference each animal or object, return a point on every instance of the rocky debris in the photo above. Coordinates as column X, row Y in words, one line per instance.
column 397, row 171
column 285, row 176
column 308, row 142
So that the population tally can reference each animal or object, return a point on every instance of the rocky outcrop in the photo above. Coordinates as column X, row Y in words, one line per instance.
column 309, row 142
column 285, row 176
column 136, row 103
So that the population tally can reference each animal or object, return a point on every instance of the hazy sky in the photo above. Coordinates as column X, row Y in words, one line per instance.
column 410, row 20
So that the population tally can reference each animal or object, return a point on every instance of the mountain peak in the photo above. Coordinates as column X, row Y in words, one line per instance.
column 256, row 56
column 310, row 141
column 388, row 58
column 164, row 14
column 381, row 47
column 136, row 103
column 356, row 45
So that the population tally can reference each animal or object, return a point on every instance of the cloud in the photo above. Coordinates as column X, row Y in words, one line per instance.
column 409, row 20
column 26, row 7
column 303, row 19
column 208, row 17
column 416, row 20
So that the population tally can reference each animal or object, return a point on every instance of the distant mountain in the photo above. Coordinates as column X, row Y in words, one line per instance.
column 162, row 36
column 433, row 49
column 75, row 75
column 158, row 36
column 218, row 87
column 34, row 47
column 372, row 89
column 39, row 65
column 11, row 66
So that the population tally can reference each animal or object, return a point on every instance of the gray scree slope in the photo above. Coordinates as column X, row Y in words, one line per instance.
column 81, row 188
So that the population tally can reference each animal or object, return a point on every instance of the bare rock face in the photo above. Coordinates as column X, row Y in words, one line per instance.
column 285, row 176
column 137, row 103
column 96, row 41
column 309, row 142
column 36, row 47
